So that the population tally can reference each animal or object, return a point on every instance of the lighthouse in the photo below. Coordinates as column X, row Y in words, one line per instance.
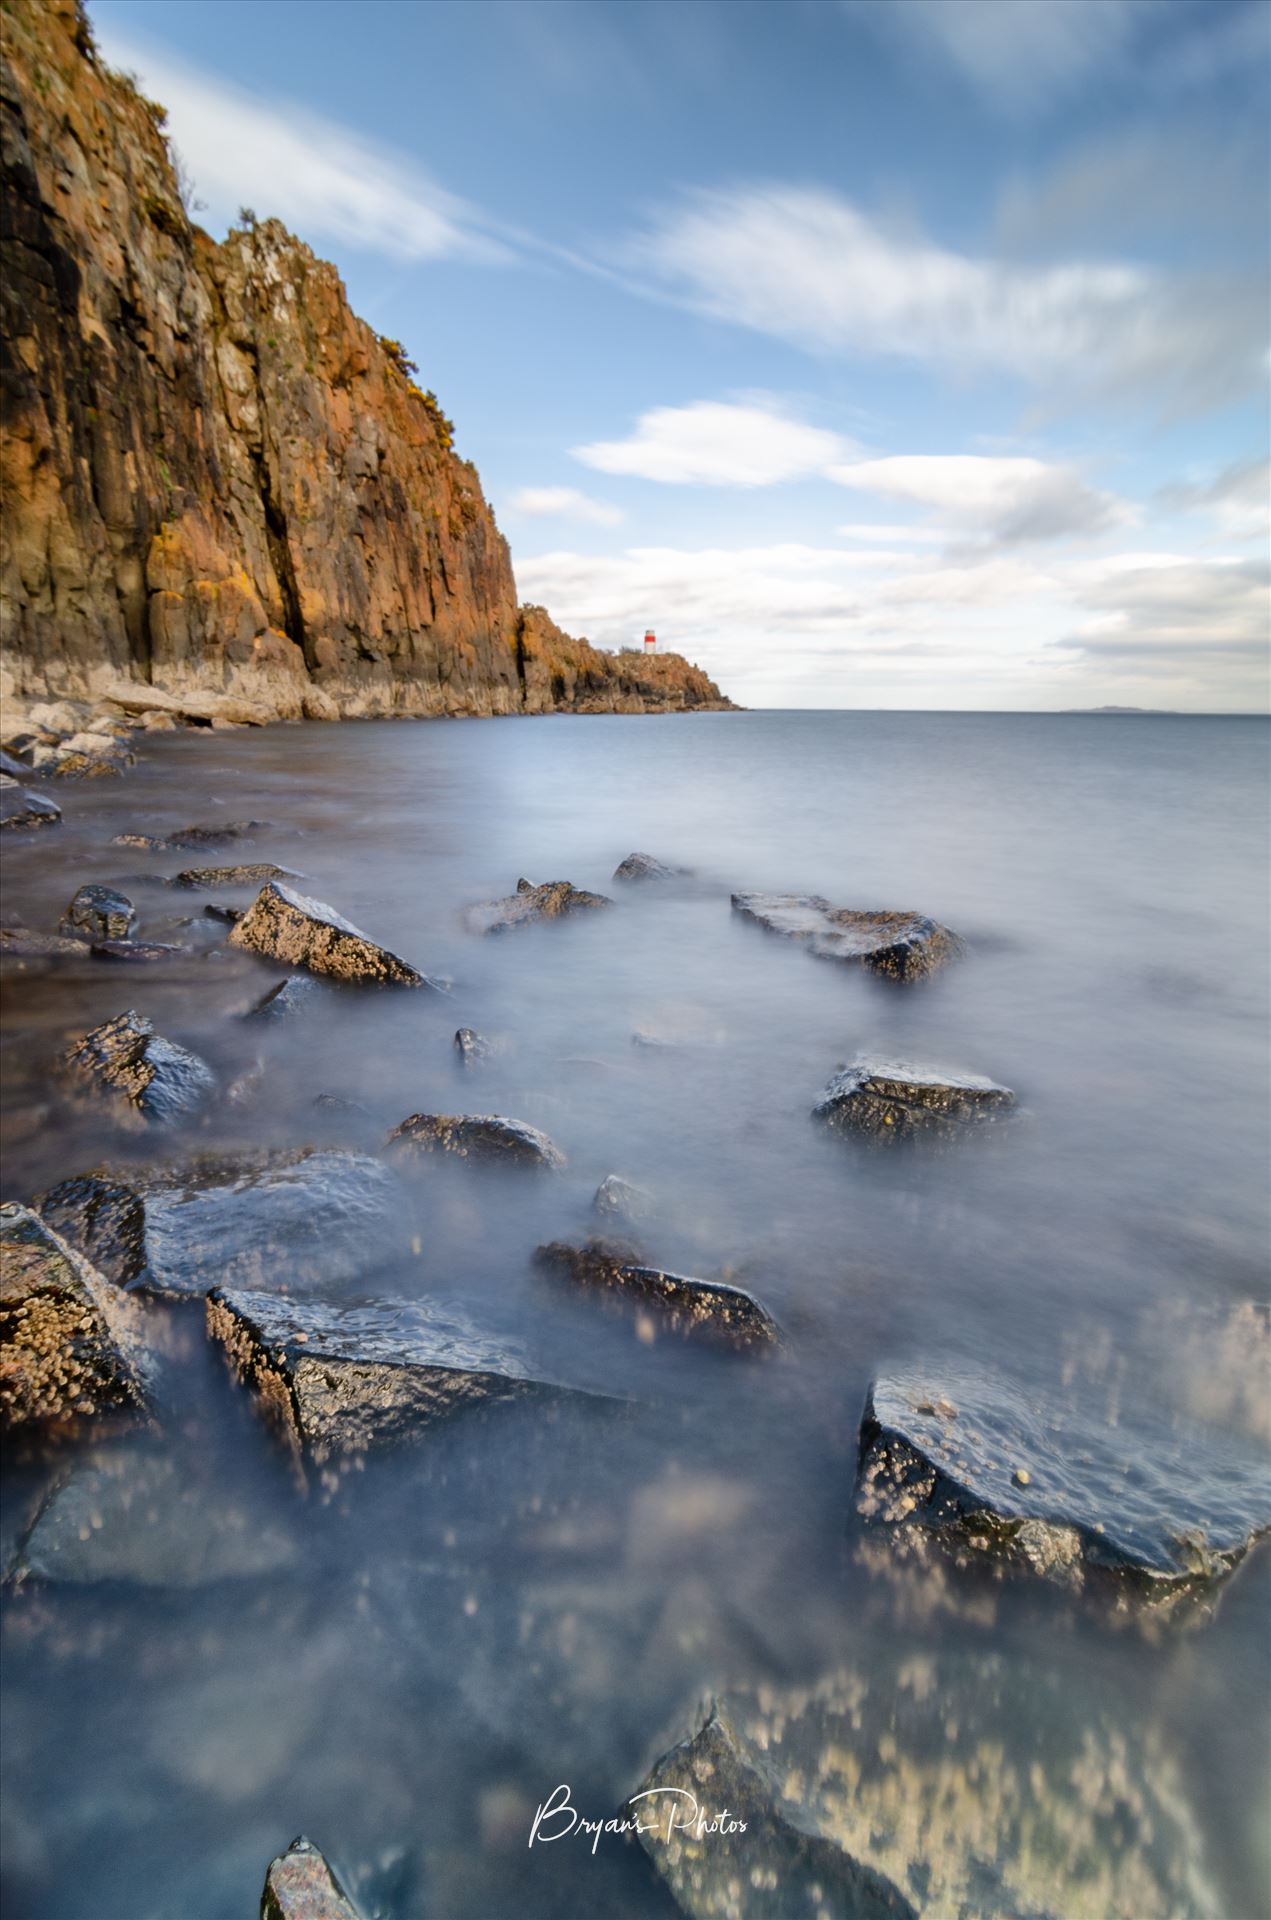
column 650, row 640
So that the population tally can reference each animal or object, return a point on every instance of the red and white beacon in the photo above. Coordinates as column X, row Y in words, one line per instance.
column 650, row 640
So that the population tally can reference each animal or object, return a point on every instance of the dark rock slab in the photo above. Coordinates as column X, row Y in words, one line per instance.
column 290, row 996
column 619, row 1199
column 934, row 1784
column 471, row 1048
column 233, row 876
column 896, row 946
column 226, row 915
column 308, row 1217
column 12, row 767
column 488, row 1137
column 290, row 927
column 553, row 900
column 25, row 943
column 707, row 1310
column 1139, row 1511
column 99, row 913
column 126, row 1061
column 301, row 1885
column 151, row 842
column 69, row 1346
column 218, row 836
column 345, row 1379
column 643, row 866
column 895, row 1100
column 20, row 807
column 137, row 952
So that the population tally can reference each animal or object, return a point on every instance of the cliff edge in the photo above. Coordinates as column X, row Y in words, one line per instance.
column 216, row 478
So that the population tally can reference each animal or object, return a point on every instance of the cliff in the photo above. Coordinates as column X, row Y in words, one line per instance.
column 216, row 478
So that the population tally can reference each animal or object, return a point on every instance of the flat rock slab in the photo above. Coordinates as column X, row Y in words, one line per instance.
column 894, row 1100
column 553, row 900
column 301, row 932
column 69, row 1346
column 345, row 1379
column 25, row 943
column 19, row 807
column 300, row 1885
column 137, row 952
column 99, row 913
column 310, row 1217
column 246, row 876
column 1140, row 1511
column 128, row 1063
column 489, row 1137
column 931, row 1785
column 896, row 946
column 707, row 1310
column 643, row 866
column 193, row 837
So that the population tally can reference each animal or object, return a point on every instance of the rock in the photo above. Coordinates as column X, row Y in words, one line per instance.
column 340, row 1380
column 68, row 1346
column 13, row 768
column 156, row 721
column 217, row 836
column 301, row 1886
column 642, row 866
column 924, row 1784
column 128, row 1062
column 288, row 926
column 86, row 766
column 227, row 915
column 136, row 952
column 486, row 1137
column 292, row 995
column 150, row 841
column 99, row 913
column 897, row 946
column 305, row 1216
column 233, row 876
column 551, row 901
column 92, row 743
column 24, row 943
column 472, row 1048
column 705, row 1309
column 1140, row 1511
column 619, row 1199
column 895, row 1100
column 19, row 807
column 61, row 717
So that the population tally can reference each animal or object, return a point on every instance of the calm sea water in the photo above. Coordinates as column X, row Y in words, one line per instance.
column 519, row 1604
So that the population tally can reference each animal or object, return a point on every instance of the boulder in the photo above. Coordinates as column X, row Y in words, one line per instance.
column 288, row 926
column 20, row 807
column 642, row 866
column 68, row 1343
column 233, row 876
column 471, row 1048
column 619, row 1199
column 344, row 1379
column 301, row 1218
column 530, row 903
column 13, row 768
column 290, row 996
column 896, row 946
column 475, row 1136
column 126, row 1061
column 894, row 1100
column 1137, row 1510
column 92, row 743
column 707, row 1310
column 300, row 1885
column 87, row 766
column 99, row 913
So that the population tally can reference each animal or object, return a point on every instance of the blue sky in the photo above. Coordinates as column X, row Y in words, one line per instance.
column 909, row 354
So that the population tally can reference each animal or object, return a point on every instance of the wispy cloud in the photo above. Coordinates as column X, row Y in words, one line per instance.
column 1007, row 500
column 1237, row 501
column 568, row 502
column 715, row 443
column 1200, row 627
column 1018, row 54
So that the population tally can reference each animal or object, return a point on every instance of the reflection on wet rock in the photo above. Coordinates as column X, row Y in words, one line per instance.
column 895, row 1100
column 895, row 946
column 126, row 1062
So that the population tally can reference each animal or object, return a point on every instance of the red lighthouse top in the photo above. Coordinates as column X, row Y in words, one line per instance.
column 650, row 638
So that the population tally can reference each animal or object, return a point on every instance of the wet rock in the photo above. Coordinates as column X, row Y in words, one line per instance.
column 126, row 1061
column 895, row 1100
column 1136, row 1510
column 20, row 807
column 99, row 913
column 703, row 1309
column 24, row 943
column 474, row 1136
column 288, row 926
column 336, row 1103
column 233, row 876
column 68, row 1346
column 14, row 768
column 642, row 866
column 300, row 1885
column 619, row 1199
column 150, row 841
column 530, row 903
column 933, row 1785
column 896, row 946
column 216, row 836
column 471, row 1047
column 340, row 1380
column 290, row 996
column 86, row 766
column 91, row 743
column 301, row 1218
column 227, row 915
column 136, row 952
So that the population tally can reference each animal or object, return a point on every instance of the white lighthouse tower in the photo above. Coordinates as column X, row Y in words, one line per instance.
column 650, row 640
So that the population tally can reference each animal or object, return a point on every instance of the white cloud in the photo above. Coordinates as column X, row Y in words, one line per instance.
column 1163, row 604
column 716, row 443
column 312, row 173
column 808, row 266
column 997, row 498
column 891, row 534
column 1020, row 54
column 1236, row 501
column 567, row 501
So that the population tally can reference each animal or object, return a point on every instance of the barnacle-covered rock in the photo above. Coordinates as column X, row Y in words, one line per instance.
column 126, row 1061
column 99, row 913
column 68, row 1345
column 553, row 900
column 897, row 946
column 288, row 926
column 703, row 1309
column 489, row 1137
column 20, row 807
column 895, row 1100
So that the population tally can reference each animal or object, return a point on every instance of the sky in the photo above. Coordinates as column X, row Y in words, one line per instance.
column 876, row 353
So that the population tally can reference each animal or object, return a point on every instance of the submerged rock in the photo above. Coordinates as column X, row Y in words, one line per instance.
column 895, row 1100
column 68, row 1348
column 642, row 866
column 898, row 946
column 233, row 876
column 471, row 1047
column 619, row 1199
column 226, row 915
column 290, row 996
column 550, row 901
column 25, row 943
column 212, row 836
column 924, row 1785
column 308, row 1217
column 338, row 1380
column 705, row 1309
column 20, row 807
column 100, row 913
column 152, row 843
column 126, row 1061
column 300, row 1885
column 477, row 1136
column 288, row 926
column 138, row 952
column 1137, row 1510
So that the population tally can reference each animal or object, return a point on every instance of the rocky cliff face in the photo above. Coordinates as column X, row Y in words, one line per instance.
column 216, row 478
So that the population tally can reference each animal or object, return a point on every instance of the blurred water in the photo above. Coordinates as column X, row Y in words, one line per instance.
column 517, row 1605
